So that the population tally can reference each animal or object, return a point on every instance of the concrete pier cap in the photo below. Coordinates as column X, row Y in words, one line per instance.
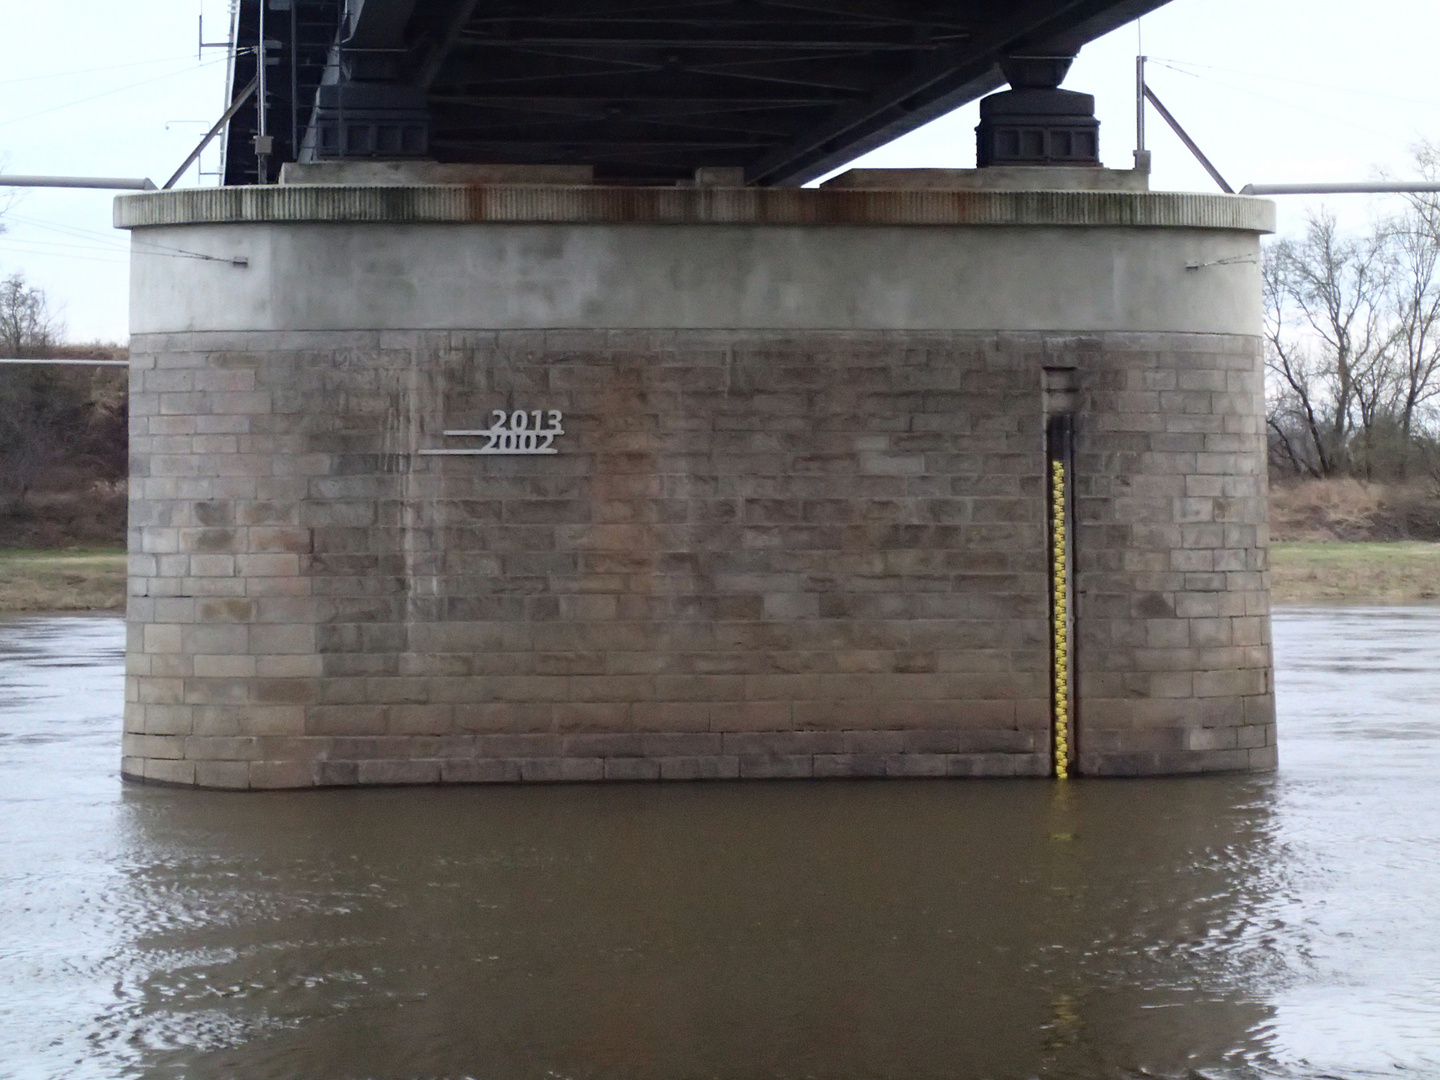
column 489, row 473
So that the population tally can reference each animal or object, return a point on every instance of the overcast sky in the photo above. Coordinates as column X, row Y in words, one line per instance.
column 1272, row 90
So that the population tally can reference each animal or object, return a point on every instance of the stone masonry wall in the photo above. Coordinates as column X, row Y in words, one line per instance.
column 755, row 555
column 1174, row 670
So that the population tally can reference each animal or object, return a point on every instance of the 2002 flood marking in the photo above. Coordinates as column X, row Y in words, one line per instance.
column 523, row 431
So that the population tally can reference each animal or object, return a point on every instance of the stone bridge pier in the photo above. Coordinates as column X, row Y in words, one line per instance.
column 914, row 474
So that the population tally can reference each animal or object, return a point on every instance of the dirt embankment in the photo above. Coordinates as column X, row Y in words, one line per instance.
column 63, row 463
column 1326, row 511
column 83, row 514
column 1343, row 541
column 64, row 550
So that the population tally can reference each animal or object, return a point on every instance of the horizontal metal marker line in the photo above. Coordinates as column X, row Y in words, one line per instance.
column 492, row 431
column 487, row 453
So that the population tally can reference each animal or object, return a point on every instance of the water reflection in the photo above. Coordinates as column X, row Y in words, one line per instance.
column 1235, row 926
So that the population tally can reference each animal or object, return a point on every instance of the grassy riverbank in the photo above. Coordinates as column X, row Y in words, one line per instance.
column 76, row 580
column 1303, row 572
column 1397, row 571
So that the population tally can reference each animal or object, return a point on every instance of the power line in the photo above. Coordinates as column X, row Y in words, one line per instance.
column 94, row 70
column 5, row 245
column 1167, row 61
column 77, row 232
column 109, row 93
column 64, row 229
column 113, row 244
column 63, row 244
column 102, row 241
column 1368, row 129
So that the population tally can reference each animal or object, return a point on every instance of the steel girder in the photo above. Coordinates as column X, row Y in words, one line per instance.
column 648, row 91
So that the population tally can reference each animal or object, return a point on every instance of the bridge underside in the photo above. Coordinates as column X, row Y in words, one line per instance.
column 646, row 92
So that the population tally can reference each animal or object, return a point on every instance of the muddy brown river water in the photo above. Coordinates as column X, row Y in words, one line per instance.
column 1280, row 926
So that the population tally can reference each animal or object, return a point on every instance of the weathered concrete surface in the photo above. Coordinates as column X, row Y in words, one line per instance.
column 516, row 277
column 788, row 543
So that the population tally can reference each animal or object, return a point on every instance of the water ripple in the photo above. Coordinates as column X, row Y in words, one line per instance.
column 1234, row 928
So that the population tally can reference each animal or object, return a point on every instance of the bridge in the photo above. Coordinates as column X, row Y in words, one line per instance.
column 644, row 92
column 513, row 415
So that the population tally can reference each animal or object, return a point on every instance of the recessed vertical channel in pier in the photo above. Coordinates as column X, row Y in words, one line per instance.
column 1060, row 396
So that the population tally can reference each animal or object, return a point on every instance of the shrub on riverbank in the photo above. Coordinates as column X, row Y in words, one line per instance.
column 63, row 452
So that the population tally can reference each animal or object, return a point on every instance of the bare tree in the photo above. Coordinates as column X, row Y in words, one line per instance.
column 1414, row 307
column 1296, row 410
column 29, row 422
column 26, row 326
column 1416, row 300
column 1326, row 336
